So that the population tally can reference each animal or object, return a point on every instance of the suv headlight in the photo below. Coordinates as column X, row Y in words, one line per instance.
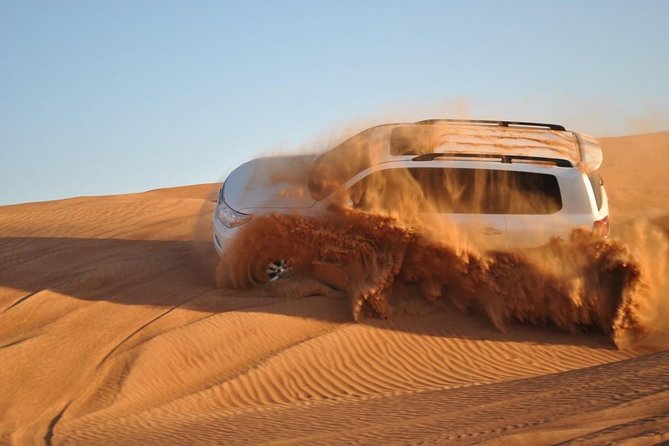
column 229, row 217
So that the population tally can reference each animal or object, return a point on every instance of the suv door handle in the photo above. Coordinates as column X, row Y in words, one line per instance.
column 489, row 230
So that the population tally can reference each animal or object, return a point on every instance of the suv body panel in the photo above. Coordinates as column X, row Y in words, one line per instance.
column 248, row 190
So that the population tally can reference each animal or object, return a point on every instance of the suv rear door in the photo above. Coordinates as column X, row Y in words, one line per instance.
column 465, row 197
column 484, row 230
column 532, row 210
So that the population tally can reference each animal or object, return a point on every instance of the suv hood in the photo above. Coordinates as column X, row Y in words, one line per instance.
column 272, row 182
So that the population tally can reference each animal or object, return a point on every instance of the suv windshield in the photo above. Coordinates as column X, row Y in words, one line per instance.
column 458, row 190
column 333, row 168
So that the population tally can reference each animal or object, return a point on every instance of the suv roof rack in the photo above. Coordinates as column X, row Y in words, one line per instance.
column 498, row 123
column 505, row 158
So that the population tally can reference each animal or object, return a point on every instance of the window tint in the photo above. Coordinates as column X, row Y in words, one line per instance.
column 462, row 191
column 596, row 183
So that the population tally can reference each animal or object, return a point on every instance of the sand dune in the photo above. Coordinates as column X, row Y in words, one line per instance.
column 112, row 332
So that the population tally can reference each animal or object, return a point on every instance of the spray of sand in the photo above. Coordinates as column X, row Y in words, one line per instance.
column 573, row 284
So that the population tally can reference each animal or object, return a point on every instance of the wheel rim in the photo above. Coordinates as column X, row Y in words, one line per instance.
column 278, row 269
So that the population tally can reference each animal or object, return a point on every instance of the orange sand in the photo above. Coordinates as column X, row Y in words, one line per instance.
column 112, row 332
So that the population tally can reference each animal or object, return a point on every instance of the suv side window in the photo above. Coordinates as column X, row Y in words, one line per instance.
column 596, row 182
column 457, row 190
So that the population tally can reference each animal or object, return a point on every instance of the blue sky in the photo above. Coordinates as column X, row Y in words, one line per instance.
column 124, row 96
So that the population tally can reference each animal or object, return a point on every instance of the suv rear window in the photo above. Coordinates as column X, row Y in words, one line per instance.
column 461, row 191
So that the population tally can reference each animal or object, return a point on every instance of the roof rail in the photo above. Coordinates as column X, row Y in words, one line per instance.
column 504, row 158
column 499, row 123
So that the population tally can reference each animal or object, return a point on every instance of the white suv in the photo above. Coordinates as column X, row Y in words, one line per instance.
column 504, row 184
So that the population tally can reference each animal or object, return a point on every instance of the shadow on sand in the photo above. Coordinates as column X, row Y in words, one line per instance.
column 173, row 274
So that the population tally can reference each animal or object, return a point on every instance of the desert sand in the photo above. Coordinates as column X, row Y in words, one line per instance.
column 112, row 331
